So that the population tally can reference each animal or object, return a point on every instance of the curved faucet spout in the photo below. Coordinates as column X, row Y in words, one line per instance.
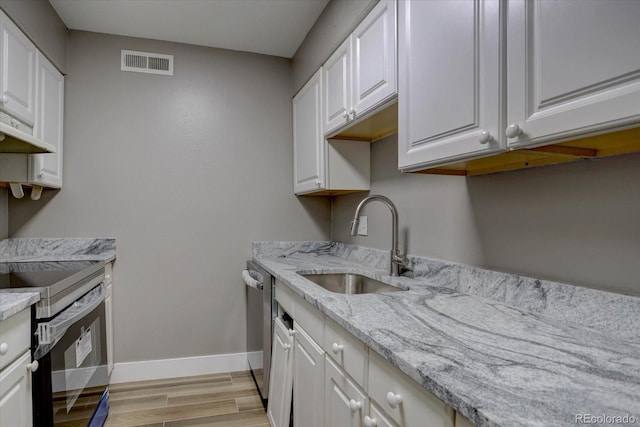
column 397, row 259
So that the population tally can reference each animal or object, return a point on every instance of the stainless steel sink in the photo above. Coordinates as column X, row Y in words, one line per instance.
column 350, row 284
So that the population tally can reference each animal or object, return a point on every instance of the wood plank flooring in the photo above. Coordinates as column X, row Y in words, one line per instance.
column 229, row 399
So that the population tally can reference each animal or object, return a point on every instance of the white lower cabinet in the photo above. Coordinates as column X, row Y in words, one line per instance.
column 308, row 380
column 377, row 417
column 406, row 402
column 279, row 406
column 15, row 371
column 344, row 400
column 341, row 383
column 15, row 393
column 461, row 421
column 108, row 308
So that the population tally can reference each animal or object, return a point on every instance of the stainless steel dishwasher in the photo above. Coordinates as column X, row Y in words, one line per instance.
column 260, row 314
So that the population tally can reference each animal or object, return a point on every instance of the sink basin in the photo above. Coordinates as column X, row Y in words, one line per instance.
column 350, row 284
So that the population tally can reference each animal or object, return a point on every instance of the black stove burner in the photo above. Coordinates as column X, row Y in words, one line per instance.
column 15, row 275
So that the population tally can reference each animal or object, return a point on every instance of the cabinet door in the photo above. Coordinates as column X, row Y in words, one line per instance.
column 18, row 82
column 373, row 46
column 574, row 68
column 377, row 417
column 308, row 381
column 46, row 169
column 344, row 402
column 309, row 148
column 280, row 384
column 449, row 81
column 15, row 393
column 108, row 308
column 402, row 399
column 336, row 81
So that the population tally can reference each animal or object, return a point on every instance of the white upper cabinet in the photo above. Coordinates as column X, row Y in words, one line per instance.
column 336, row 80
column 46, row 169
column 450, row 73
column 18, row 82
column 308, row 142
column 360, row 76
column 324, row 166
column 573, row 68
column 374, row 59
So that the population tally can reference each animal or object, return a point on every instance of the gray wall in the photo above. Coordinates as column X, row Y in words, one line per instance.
column 338, row 19
column 4, row 213
column 185, row 172
column 575, row 223
column 39, row 20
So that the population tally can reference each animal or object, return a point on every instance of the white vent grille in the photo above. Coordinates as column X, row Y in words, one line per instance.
column 145, row 62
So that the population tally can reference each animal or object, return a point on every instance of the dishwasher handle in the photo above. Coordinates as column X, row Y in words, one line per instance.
column 253, row 279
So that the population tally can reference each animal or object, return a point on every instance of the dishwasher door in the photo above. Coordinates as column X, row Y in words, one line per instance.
column 259, row 291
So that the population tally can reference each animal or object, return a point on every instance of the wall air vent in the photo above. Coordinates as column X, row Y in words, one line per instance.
column 145, row 62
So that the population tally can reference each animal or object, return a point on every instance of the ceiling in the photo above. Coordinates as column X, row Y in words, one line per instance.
column 270, row 27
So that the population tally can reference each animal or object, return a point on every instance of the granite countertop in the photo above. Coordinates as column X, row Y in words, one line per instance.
column 52, row 250
column 526, row 357
column 12, row 303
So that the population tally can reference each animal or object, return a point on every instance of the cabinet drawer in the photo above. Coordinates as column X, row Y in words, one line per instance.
column 344, row 400
column 461, row 421
column 15, row 333
column 285, row 297
column 310, row 318
column 416, row 408
column 346, row 350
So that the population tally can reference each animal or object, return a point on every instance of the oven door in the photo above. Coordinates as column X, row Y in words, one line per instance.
column 73, row 377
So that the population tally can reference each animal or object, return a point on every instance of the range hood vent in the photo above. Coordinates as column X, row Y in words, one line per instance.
column 14, row 141
column 145, row 62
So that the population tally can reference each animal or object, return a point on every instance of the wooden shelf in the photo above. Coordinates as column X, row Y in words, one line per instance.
column 610, row 144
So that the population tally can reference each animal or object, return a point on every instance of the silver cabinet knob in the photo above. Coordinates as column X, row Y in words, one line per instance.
column 485, row 137
column 33, row 366
column 345, row 115
column 4, row 99
column 353, row 114
column 4, row 348
column 318, row 183
column 513, row 130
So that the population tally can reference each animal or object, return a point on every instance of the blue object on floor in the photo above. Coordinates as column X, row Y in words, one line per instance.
column 102, row 411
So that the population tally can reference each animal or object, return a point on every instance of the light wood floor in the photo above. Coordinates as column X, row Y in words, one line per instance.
column 229, row 399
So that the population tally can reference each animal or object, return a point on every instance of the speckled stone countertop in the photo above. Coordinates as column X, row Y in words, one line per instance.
column 57, row 249
column 12, row 303
column 47, row 250
column 501, row 349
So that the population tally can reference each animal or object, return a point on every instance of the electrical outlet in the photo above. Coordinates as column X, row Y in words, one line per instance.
column 362, row 226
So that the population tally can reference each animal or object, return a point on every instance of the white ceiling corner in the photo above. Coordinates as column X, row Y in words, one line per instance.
column 270, row 27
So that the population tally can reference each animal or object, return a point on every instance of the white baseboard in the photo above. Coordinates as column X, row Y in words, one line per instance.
column 181, row 367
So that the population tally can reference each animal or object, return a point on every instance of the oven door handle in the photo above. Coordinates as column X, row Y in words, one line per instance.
column 49, row 333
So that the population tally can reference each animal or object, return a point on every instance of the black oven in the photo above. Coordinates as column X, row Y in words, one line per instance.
column 70, row 388
column 70, row 384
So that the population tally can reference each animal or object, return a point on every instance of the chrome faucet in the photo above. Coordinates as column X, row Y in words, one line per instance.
column 397, row 259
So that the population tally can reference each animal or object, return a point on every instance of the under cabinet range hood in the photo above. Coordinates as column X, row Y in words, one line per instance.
column 14, row 141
